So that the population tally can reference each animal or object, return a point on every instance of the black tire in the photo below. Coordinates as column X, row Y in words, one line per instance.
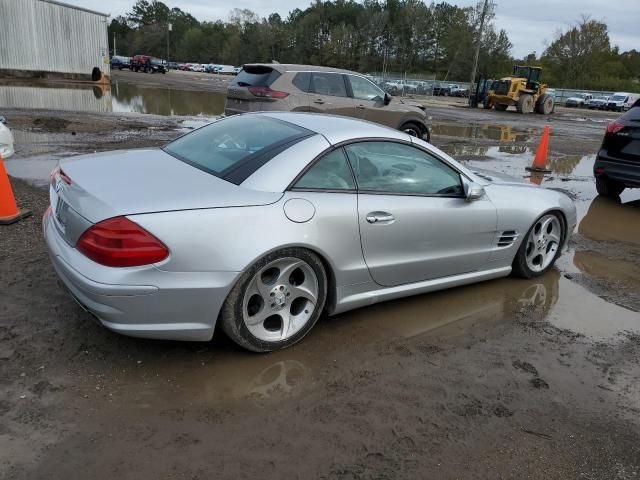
column 545, row 104
column 413, row 129
column 608, row 188
column 231, row 314
column 501, row 107
column 525, row 103
column 520, row 267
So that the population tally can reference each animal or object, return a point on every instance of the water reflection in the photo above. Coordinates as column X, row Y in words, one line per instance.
column 165, row 101
column 611, row 220
column 336, row 344
column 120, row 97
column 500, row 133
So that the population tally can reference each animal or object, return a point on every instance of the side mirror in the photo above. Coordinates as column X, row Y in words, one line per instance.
column 472, row 190
column 387, row 98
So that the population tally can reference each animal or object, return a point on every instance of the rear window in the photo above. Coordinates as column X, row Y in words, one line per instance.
column 236, row 143
column 255, row 76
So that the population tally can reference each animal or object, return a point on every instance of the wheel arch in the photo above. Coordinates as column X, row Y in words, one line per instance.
column 329, row 269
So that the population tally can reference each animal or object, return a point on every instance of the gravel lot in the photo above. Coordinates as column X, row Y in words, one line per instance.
column 505, row 379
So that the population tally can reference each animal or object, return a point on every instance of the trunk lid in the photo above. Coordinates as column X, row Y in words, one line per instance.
column 130, row 182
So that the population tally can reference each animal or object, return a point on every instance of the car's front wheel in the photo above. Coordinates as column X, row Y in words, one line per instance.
column 276, row 301
column 416, row 130
column 541, row 246
column 608, row 188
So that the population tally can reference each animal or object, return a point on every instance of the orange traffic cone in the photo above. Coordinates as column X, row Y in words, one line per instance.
column 540, row 160
column 9, row 212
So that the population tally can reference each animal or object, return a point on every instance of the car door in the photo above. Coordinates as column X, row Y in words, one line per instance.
column 328, row 94
column 369, row 101
column 415, row 222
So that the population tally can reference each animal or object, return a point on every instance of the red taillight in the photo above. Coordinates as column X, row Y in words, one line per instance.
column 119, row 242
column 267, row 92
column 598, row 170
column 614, row 127
column 63, row 176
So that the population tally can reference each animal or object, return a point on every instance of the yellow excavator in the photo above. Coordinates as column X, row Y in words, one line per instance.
column 523, row 90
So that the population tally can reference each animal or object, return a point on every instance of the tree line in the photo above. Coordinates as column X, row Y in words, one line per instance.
column 435, row 40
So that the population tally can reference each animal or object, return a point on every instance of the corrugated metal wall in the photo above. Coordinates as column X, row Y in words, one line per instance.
column 88, row 99
column 41, row 36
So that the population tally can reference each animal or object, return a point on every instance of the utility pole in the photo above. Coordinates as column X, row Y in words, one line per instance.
column 114, row 44
column 485, row 9
column 169, row 27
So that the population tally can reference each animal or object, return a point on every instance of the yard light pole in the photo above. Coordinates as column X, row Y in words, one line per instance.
column 169, row 27
column 485, row 9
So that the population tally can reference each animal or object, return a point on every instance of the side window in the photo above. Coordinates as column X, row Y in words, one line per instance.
column 331, row 172
column 302, row 80
column 363, row 89
column 327, row 83
column 397, row 168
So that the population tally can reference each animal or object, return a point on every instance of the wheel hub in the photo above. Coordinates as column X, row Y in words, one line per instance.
column 279, row 296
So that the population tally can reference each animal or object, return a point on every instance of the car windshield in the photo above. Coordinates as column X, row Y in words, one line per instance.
column 618, row 98
column 221, row 146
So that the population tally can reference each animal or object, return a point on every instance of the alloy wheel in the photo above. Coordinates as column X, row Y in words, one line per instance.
column 543, row 243
column 280, row 299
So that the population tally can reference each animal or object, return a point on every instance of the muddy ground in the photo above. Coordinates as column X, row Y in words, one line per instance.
column 505, row 379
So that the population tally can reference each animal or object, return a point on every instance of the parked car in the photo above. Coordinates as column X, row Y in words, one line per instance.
column 197, row 67
column 598, row 103
column 579, row 100
column 441, row 89
column 617, row 164
column 307, row 88
column 225, row 70
column 458, row 91
column 120, row 62
column 147, row 64
column 172, row 65
column 394, row 87
column 621, row 101
column 236, row 70
column 6, row 139
column 266, row 221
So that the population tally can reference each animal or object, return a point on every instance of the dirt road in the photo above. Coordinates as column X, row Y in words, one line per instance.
column 506, row 379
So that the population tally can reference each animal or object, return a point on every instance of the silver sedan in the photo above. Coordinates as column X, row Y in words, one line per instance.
column 264, row 221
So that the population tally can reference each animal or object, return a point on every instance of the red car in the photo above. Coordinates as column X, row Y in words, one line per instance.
column 147, row 64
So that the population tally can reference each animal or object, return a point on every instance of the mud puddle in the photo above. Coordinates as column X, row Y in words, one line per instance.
column 499, row 133
column 220, row 376
column 119, row 97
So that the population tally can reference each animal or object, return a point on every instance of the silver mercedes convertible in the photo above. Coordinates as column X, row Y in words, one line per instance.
column 262, row 222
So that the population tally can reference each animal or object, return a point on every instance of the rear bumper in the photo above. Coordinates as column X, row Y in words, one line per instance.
column 145, row 302
column 626, row 172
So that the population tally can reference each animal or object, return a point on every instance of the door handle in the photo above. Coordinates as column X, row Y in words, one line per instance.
column 318, row 101
column 380, row 217
column 361, row 107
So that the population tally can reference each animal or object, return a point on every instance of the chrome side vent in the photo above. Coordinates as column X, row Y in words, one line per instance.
column 507, row 238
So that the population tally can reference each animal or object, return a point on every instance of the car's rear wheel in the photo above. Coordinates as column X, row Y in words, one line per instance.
column 541, row 246
column 276, row 301
column 608, row 188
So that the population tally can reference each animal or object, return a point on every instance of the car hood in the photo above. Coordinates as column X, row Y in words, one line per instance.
column 576, row 99
column 406, row 106
column 129, row 182
column 489, row 177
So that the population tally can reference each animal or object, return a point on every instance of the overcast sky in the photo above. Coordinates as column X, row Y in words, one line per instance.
column 530, row 25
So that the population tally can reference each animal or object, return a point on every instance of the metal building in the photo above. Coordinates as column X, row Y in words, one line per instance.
column 51, row 39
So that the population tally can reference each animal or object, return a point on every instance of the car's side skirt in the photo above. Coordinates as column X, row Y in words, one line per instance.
column 356, row 296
